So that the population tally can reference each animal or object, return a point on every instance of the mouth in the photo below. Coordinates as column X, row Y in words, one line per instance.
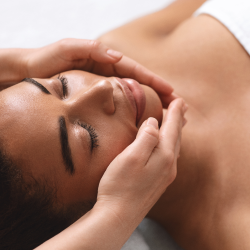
column 135, row 94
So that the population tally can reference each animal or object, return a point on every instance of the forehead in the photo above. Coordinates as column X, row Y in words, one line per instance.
column 27, row 129
column 21, row 104
column 29, row 117
column 79, row 79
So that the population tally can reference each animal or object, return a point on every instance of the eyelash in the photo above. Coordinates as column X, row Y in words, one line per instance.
column 92, row 133
column 89, row 128
column 64, row 82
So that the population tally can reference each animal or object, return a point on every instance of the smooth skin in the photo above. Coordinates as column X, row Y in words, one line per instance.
column 132, row 181
column 34, row 141
column 207, row 206
column 69, row 54
column 103, row 218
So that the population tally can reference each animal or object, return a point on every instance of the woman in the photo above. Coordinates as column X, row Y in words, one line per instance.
column 31, row 207
column 207, row 205
column 206, row 59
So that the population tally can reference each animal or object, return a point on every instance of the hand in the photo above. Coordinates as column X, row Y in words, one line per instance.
column 131, row 185
column 91, row 56
column 136, row 178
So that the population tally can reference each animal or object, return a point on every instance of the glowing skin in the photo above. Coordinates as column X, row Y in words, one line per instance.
column 31, row 131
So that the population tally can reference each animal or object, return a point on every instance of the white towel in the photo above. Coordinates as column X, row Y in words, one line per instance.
column 234, row 14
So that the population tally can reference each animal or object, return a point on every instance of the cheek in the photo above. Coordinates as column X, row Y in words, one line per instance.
column 113, row 139
column 153, row 106
column 111, row 144
column 114, row 143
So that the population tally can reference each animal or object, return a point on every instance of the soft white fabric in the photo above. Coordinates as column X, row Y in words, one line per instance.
column 136, row 242
column 234, row 14
column 150, row 235
column 156, row 236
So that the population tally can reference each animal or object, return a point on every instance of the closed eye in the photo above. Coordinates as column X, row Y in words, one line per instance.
column 64, row 82
column 92, row 133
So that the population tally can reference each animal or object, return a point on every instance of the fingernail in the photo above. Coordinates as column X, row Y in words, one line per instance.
column 152, row 122
column 115, row 54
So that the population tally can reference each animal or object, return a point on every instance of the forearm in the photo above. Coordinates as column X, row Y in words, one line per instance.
column 125, row 193
column 101, row 229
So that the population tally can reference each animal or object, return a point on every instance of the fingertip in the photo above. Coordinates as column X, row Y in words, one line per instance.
column 114, row 54
column 167, row 99
column 175, row 108
column 168, row 89
column 152, row 122
column 150, row 126
column 176, row 102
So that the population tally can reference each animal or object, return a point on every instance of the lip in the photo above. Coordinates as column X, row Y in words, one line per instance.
column 135, row 94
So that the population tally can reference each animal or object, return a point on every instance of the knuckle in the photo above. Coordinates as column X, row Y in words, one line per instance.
column 151, row 133
column 169, row 174
column 172, row 175
column 65, row 44
column 94, row 44
column 168, row 157
column 133, row 157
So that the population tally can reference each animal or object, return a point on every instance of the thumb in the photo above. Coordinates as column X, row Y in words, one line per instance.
column 141, row 149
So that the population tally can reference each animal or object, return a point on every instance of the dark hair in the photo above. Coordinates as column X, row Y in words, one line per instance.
column 29, row 214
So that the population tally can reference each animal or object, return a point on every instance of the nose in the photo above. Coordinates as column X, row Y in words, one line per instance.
column 98, row 96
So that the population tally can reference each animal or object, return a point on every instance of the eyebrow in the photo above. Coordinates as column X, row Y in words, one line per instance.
column 66, row 151
column 39, row 85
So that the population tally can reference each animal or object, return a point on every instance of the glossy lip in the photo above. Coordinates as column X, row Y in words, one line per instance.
column 135, row 95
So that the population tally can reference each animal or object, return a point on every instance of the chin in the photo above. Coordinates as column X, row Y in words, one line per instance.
column 153, row 106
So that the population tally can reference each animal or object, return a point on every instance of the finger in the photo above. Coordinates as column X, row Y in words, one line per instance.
column 181, row 125
column 172, row 124
column 170, row 131
column 150, row 121
column 77, row 49
column 167, row 99
column 166, row 152
column 140, row 150
column 131, row 69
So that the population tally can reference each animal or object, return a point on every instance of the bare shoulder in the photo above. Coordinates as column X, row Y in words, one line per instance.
column 209, row 68
column 147, row 31
column 201, row 48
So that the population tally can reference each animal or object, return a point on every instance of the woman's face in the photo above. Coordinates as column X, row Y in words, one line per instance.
column 68, row 130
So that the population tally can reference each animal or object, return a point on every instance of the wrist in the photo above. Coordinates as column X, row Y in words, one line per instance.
column 12, row 65
column 100, row 228
column 123, row 214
